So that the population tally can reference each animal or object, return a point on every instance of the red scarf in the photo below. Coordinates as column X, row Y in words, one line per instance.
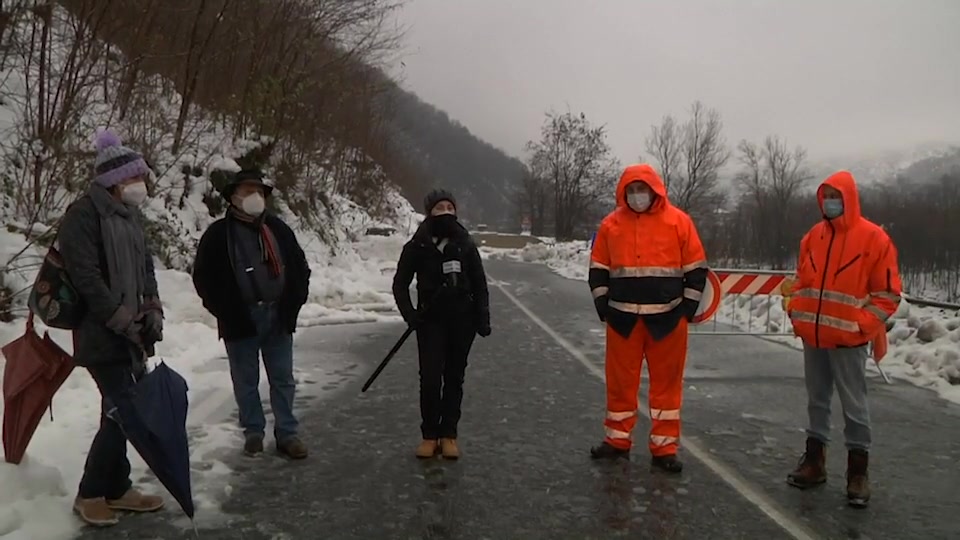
column 268, row 247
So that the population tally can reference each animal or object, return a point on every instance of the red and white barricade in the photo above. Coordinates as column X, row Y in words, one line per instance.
column 744, row 302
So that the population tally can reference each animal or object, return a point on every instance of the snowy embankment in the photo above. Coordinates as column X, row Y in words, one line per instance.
column 36, row 496
column 924, row 342
column 350, row 281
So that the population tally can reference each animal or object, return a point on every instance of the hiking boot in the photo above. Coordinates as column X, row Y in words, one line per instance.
column 448, row 448
column 668, row 463
column 428, row 448
column 292, row 447
column 608, row 451
column 253, row 445
column 812, row 469
column 858, row 481
column 134, row 501
column 95, row 512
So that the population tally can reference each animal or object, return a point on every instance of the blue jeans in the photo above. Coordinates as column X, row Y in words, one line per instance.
column 276, row 346
column 846, row 369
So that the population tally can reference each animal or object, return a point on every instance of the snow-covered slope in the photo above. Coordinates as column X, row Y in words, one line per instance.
column 350, row 281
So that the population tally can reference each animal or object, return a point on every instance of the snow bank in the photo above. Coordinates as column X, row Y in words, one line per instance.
column 924, row 342
column 569, row 259
column 351, row 284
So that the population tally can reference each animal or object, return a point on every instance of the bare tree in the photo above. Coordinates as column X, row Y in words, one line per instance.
column 664, row 145
column 690, row 157
column 573, row 156
column 772, row 179
column 533, row 199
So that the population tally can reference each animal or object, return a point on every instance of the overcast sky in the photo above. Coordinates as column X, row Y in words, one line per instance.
column 838, row 76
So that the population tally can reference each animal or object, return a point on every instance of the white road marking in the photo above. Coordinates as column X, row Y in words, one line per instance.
column 790, row 525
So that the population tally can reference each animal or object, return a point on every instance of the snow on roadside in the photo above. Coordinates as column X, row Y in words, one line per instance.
column 924, row 342
column 351, row 285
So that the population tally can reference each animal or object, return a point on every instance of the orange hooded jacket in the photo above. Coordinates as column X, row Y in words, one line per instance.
column 647, row 264
column 848, row 283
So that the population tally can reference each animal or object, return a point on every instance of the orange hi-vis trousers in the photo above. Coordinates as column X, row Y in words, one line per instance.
column 665, row 362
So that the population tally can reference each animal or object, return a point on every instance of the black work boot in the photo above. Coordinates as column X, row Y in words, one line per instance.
column 858, row 481
column 608, row 451
column 253, row 445
column 812, row 469
column 668, row 463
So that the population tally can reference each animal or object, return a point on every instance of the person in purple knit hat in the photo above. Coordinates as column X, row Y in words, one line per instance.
column 106, row 256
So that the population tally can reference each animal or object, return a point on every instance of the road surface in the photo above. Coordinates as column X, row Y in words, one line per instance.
column 534, row 405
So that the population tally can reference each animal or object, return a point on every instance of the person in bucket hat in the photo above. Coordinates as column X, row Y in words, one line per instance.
column 253, row 276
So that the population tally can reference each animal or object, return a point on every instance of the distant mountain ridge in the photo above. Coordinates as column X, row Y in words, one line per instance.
column 922, row 163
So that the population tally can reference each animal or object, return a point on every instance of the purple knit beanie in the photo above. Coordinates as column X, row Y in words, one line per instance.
column 115, row 162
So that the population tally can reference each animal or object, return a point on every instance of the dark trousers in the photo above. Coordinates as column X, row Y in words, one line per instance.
column 443, row 347
column 107, row 470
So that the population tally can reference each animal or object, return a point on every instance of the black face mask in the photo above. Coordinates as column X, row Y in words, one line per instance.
column 444, row 225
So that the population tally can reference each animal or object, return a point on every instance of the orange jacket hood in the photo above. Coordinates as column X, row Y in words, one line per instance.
column 843, row 182
column 642, row 172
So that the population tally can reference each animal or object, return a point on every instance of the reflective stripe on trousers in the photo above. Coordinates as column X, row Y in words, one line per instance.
column 665, row 362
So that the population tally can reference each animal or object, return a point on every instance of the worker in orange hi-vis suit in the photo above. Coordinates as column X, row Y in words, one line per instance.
column 848, row 286
column 647, row 274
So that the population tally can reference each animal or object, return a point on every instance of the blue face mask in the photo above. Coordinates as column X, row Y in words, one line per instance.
column 832, row 208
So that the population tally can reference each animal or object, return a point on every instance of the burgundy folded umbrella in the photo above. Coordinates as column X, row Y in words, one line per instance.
column 36, row 368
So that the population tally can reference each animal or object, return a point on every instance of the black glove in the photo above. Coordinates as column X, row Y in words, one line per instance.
column 601, row 304
column 482, row 320
column 413, row 319
column 689, row 308
column 484, row 330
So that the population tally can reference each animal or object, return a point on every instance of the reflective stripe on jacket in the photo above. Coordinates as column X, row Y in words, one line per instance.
column 848, row 283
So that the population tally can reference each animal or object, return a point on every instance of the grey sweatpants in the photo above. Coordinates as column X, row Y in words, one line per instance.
column 846, row 369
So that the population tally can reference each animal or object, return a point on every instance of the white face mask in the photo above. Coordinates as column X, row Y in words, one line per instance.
column 639, row 202
column 134, row 194
column 253, row 204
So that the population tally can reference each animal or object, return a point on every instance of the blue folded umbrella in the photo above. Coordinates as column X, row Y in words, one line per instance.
column 154, row 418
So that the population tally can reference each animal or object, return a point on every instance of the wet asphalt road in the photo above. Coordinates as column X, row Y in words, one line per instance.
column 531, row 412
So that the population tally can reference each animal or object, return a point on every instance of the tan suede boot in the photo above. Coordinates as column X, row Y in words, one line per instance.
column 427, row 449
column 134, row 501
column 95, row 512
column 448, row 447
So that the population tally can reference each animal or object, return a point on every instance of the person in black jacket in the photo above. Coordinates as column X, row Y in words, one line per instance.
column 453, row 307
column 252, row 275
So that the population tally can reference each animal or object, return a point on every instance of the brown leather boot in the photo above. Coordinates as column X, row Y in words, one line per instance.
column 858, row 481
column 293, row 448
column 427, row 449
column 448, row 447
column 134, row 501
column 95, row 512
column 812, row 469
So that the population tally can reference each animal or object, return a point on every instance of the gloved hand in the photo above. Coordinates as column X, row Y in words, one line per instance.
column 413, row 319
column 689, row 308
column 601, row 304
column 481, row 318
column 134, row 333
column 484, row 330
column 151, row 316
column 152, row 326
